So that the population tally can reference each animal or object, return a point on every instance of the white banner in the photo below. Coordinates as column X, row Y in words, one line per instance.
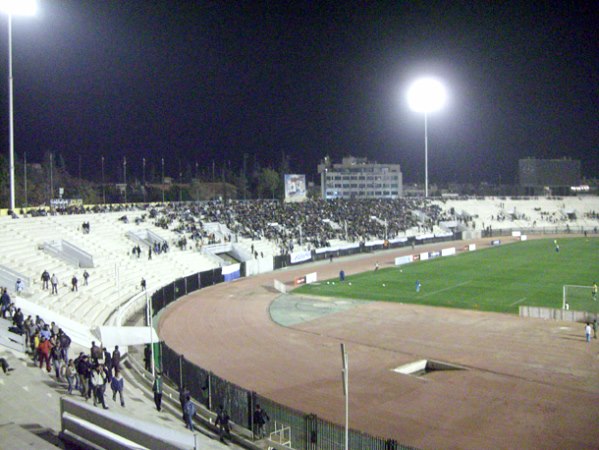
column 423, row 256
column 226, row 270
column 373, row 243
column 296, row 257
column 311, row 278
column 471, row 247
column 448, row 251
column 403, row 260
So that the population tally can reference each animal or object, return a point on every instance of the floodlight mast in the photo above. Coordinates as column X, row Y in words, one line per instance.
column 18, row 8
column 426, row 95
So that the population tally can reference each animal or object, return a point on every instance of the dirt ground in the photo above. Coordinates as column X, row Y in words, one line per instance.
column 527, row 383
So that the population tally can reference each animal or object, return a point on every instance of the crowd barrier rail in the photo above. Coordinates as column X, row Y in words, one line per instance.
column 307, row 431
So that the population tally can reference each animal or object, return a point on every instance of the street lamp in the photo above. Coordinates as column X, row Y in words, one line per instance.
column 143, row 177
column 103, row 185
column 162, row 161
column 125, row 176
column 426, row 95
column 13, row 8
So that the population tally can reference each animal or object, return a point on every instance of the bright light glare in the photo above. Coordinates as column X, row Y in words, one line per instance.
column 427, row 95
column 18, row 7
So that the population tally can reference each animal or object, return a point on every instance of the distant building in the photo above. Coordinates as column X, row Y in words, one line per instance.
column 548, row 176
column 357, row 178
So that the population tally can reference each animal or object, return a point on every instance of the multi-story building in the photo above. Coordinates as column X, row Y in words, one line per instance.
column 359, row 178
column 543, row 176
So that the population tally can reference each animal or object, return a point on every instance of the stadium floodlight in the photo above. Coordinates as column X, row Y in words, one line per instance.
column 13, row 8
column 426, row 95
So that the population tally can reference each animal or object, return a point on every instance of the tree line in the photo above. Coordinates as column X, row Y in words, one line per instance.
column 36, row 183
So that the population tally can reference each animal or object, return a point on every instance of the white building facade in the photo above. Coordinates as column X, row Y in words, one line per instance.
column 358, row 178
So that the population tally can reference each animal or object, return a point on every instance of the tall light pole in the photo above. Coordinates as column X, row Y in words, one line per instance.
column 345, row 380
column 143, row 177
column 13, row 8
column 125, row 176
column 103, row 185
column 162, row 161
column 426, row 95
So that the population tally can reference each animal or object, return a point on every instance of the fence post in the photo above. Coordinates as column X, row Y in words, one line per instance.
column 180, row 371
column 210, row 391
column 311, row 432
column 391, row 444
column 251, row 406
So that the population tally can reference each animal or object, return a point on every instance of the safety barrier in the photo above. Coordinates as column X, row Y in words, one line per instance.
column 84, row 424
column 307, row 430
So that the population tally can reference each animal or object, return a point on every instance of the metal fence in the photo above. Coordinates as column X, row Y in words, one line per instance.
column 307, row 430
column 561, row 229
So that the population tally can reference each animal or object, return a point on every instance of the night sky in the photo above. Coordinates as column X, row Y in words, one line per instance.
column 209, row 81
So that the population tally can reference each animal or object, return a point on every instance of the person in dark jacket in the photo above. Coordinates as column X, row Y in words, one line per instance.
column 222, row 423
column 117, row 384
column 83, row 372
column 108, row 363
column 116, row 358
column 260, row 419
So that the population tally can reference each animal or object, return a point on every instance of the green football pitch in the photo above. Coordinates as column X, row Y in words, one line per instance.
column 493, row 279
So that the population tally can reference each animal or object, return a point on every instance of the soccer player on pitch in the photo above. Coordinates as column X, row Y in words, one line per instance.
column 594, row 291
column 556, row 246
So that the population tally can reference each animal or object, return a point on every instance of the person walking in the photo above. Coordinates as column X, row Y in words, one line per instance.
column 54, row 282
column 116, row 358
column 19, row 286
column 222, row 423
column 99, row 383
column 56, row 357
column 157, row 389
column 71, row 375
column 260, row 418
column 587, row 332
column 44, row 350
column 74, row 283
column 183, row 394
column 83, row 371
column 65, row 342
column 117, row 385
column 45, row 279
column 595, row 329
column 189, row 410
column 85, row 277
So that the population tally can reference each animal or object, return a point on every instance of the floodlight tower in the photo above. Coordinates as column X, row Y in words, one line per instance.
column 426, row 95
column 13, row 8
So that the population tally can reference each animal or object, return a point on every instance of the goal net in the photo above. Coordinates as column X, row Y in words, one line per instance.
column 579, row 298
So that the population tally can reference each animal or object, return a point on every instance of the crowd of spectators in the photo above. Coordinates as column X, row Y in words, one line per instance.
column 90, row 373
column 313, row 223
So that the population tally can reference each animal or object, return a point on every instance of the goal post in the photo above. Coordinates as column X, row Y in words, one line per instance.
column 578, row 298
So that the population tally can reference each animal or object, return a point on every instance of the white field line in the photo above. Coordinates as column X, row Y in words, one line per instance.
column 428, row 294
column 518, row 301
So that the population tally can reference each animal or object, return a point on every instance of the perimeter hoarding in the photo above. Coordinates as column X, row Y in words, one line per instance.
column 295, row 188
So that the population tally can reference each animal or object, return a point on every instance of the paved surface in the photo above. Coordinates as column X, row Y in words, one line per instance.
column 30, row 411
column 528, row 384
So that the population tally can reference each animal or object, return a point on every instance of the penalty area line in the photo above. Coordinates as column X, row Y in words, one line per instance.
column 518, row 301
column 445, row 289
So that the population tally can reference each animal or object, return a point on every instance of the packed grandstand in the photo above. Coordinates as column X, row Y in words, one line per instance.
column 121, row 245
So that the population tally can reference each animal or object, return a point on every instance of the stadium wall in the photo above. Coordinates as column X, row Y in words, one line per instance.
column 538, row 312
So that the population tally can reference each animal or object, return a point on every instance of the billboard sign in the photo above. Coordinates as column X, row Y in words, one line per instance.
column 295, row 188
